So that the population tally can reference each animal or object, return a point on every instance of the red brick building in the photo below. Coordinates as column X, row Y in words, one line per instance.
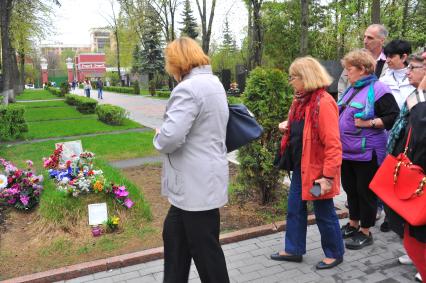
column 90, row 65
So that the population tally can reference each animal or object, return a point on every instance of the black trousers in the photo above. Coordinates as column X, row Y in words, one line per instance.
column 362, row 202
column 193, row 235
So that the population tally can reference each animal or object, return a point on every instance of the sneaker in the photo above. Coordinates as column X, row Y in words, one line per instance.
column 385, row 226
column 418, row 277
column 405, row 259
column 358, row 241
column 348, row 231
column 379, row 213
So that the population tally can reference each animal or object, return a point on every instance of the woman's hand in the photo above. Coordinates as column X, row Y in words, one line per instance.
column 283, row 127
column 359, row 123
column 157, row 131
column 325, row 185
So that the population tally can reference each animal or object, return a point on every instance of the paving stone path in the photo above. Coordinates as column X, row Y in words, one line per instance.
column 248, row 261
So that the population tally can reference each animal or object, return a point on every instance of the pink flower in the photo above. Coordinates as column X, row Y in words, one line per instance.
column 128, row 203
column 11, row 201
column 24, row 199
column 29, row 163
column 121, row 192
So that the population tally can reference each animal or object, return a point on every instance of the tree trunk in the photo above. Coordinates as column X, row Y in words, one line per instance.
column 22, row 69
column 7, row 68
column 257, row 36
column 404, row 18
column 250, row 37
column 375, row 12
column 206, row 29
column 118, row 56
column 304, row 28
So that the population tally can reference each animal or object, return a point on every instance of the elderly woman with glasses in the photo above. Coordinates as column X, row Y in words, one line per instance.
column 367, row 108
column 312, row 125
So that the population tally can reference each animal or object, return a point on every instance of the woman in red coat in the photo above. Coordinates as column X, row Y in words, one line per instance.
column 311, row 148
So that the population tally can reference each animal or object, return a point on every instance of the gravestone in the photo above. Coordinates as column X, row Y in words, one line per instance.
column 226, row 78
column 334, row 68
column 241, row 75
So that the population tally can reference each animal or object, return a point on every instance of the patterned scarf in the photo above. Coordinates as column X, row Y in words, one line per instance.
column 400, row 123
column 368, row 112
column 300, row 103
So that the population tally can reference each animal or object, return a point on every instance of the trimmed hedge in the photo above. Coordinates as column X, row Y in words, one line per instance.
column 84, row 105
column 12, row 122
column 111, row 114
column 55, row 91
column 120, row 89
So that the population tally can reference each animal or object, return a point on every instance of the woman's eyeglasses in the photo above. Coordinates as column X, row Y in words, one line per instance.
column 412, row 67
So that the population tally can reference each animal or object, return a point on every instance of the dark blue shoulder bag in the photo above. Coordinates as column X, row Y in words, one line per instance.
column 242, row 127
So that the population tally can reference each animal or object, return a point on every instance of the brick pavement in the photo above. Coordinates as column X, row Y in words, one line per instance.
column 248, row 261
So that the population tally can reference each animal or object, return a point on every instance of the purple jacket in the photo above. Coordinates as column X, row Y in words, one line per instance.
column 358, row 144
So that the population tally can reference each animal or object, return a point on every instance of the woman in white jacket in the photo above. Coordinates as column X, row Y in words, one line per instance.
column 195, row 168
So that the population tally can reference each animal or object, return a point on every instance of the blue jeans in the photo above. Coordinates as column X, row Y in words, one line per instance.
column 99, row 93
column 326, row 218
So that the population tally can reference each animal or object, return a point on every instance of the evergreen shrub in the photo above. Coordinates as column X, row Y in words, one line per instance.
column 268, row 97
column 65, row 88
column 136, row 88
column 86, row 105
column 111, row 114
column 12, row 122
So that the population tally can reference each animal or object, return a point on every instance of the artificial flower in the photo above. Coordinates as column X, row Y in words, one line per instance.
column 3, row 181
column 128, row 203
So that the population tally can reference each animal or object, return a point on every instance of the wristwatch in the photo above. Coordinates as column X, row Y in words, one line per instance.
column 373, row 123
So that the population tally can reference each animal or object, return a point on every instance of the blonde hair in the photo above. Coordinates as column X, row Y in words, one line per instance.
column 182, row 55
column 360, row 58
column 311, row 72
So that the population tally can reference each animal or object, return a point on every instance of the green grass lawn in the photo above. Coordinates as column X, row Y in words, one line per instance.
column 63, row 128
column 54, row 113
column 44, row 104
column 39, row 94
column 109, row 147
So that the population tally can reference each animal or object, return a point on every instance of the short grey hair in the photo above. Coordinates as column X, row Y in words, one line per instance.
column 416, row 57
column 383, row 32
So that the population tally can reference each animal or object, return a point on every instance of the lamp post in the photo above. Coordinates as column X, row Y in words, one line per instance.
column 70, row 66
column 44, row 73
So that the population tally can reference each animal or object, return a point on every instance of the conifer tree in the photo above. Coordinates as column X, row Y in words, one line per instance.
column 189, row 22
column 228, row 40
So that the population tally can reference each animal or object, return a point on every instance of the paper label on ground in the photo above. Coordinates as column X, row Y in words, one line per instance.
column 98, row 213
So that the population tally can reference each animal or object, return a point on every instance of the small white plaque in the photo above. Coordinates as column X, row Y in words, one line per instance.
column 98, row 213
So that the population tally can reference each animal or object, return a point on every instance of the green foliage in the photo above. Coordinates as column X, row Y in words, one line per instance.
column 189, row 23
column 136, row 88
column 65, row 88
column 111, row 114
column 120, row 89
column 112, row 77
column 84, row 104
column 268, row 97
column 54, row 91
column 12, row 122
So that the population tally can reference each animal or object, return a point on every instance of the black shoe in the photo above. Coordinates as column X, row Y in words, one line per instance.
column 348, row 231
column 358, row 241
column 323, row 265
column 293, row 258
column 385, row 227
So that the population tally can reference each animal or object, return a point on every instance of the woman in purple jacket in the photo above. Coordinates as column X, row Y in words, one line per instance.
column 367, row 108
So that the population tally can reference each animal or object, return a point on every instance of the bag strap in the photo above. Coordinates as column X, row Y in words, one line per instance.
column 408, row 141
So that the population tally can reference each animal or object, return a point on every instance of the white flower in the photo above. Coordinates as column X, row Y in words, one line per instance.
column 3, row 181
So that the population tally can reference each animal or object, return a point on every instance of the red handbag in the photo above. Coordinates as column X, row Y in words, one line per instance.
column 401, row 184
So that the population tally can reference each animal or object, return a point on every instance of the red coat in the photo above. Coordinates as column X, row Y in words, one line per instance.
column 323, row 157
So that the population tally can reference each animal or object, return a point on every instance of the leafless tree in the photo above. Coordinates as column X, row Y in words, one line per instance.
column 206, row 29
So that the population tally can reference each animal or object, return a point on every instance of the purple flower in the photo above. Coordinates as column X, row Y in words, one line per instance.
column 128, row 203
column 11, row 201
column 121, row 192
column 24, row 199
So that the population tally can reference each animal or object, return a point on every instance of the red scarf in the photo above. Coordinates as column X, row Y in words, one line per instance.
column 300, row 103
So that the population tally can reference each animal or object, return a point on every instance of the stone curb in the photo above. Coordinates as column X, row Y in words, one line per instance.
column 86, row 268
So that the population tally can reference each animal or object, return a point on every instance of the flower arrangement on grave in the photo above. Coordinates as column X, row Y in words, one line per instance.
column 19, row 188
column 78, row 176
